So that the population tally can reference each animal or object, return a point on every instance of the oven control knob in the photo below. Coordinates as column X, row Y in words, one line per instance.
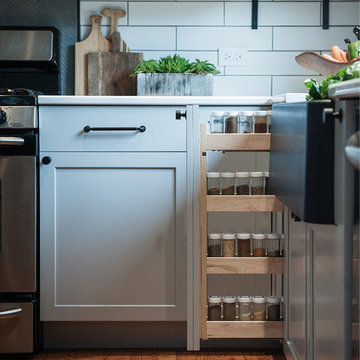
column 3, row 116
column 46, row 160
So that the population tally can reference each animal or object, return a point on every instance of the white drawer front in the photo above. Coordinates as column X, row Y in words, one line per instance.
column 62, row 128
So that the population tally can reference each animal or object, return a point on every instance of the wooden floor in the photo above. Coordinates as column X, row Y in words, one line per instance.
column 272, row 354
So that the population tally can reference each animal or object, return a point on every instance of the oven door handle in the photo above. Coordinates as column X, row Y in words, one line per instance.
column 6, row 314
column 12, row 140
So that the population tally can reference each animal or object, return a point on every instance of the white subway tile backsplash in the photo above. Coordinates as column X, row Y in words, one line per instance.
column 197, row 29
column 269, row 63
column 289, row 13
column 242, row 85
column 238, row 13
column 344, row 13
column 291, row 84
column 149, row 38
column 213, row 38
column 309, row 38
column 176, row 13
column 96, row 7
column 141, row 38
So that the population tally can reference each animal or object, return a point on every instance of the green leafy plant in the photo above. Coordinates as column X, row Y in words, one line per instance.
column 175, row 65
column 321, row 91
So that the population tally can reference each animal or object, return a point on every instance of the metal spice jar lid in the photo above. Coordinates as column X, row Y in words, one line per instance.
column 260, row 113
column 228, row 174
column 214, row 236
column 256, row 173
column 273, row 236
column 231, row 113
column 245, row 113
column 273, row 299
column 228, row 236
column 242, row 174
column 229, row 299
column 214, row 299
column 213, row 174
column 258, row 236
column 244, row 298
column 258, row 299
column 243, row 236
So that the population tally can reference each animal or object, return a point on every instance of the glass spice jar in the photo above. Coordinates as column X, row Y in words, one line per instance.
column 258, row 244
column 243, row 244
column 269, row 115
column 214, row 308
column 245, row 304
column 228, row 244
column 256, row 183
column 272, row 245
column 213, row 183
column 260, row 121
column 245, row 122
column 214, row 245
column 282, row 308
column 266, row 180
column 227, row 183
column 231, row 122
column 229, row 308
column 216, row 122
column 273, row 308
column 242, row 183
column 282, row 250
column 259, row 308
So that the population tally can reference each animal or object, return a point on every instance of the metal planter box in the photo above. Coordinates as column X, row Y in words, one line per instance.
column 175, row 84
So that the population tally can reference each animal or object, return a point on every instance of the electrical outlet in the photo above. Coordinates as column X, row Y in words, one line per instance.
column 232, row 57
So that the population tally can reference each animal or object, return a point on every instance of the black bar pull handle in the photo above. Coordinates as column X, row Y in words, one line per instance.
column 141, row 128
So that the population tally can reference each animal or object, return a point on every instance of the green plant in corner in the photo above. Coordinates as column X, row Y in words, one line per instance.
column 175, row 65
column 321, row 91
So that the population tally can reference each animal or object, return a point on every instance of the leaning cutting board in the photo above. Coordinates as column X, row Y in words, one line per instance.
column 109, row 73
column 93, row 43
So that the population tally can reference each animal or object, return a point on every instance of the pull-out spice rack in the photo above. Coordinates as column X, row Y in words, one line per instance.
column 234, row 265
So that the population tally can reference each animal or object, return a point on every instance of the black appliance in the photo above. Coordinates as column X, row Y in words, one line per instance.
column 19, row 288
column 29, row 58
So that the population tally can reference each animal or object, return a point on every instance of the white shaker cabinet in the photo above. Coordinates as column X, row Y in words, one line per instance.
column 113, row 232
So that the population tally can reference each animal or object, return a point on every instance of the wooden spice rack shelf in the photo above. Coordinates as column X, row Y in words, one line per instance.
column 245, row 329
column 238, row 142
column 234, row 203
column 243, row 203
column 244, row 265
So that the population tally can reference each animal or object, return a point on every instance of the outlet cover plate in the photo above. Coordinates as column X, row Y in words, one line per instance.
column 233, row 57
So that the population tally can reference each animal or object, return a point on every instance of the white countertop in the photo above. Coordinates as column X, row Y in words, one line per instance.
column 166, row 100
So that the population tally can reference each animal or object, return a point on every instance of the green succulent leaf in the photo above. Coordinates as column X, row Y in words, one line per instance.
column 175, row 64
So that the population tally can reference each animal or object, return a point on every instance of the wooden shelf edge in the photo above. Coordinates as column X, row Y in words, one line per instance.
column 238, row 142
column 245, row 265
column 243, row 203
column 245, row 329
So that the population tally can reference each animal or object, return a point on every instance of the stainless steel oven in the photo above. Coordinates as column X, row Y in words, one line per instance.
column 18, row 221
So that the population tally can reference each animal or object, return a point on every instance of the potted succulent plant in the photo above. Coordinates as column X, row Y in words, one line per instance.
column 174, row 75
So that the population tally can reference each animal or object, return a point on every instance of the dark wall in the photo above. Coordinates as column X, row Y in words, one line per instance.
column 62, row 14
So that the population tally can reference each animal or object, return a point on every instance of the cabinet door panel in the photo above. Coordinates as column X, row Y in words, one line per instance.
column 113, row 237
column 297, row 288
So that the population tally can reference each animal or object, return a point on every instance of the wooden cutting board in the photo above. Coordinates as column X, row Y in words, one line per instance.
column 108, row 73
column 95, row 42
